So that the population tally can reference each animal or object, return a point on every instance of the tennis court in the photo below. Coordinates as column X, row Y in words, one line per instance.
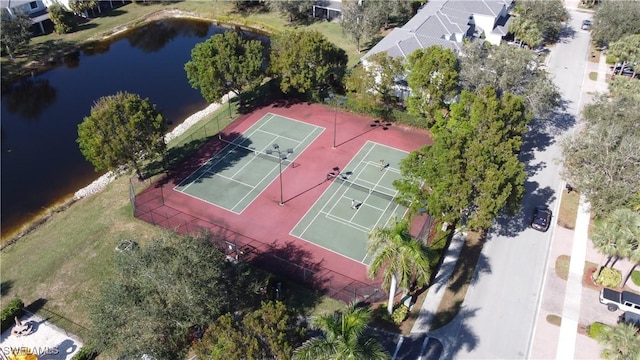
column 235, row 176
column 360, row 199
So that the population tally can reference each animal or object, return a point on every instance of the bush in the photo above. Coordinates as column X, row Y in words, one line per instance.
column 399, row 314
column 609, row 278
column 60, row 18
column 635, row 277
column 86, row 353
column 597, row 329
column 9, row 312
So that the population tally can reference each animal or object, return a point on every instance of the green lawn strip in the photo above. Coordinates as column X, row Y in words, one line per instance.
column 568, row 211
column 562, row 270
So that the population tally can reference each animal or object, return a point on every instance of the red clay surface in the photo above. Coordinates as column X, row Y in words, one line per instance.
column 262, row 229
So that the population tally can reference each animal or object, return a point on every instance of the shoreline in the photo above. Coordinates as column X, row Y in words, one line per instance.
column 100, row 183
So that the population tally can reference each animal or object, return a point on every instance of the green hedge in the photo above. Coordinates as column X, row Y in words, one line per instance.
column 596, row 329
column 9, row 312
column 609, row 278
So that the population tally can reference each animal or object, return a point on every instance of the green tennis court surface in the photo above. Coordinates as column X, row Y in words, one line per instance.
column 237, row 174
column 359, row 199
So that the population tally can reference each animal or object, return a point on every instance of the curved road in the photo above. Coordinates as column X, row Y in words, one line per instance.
column 498, row 315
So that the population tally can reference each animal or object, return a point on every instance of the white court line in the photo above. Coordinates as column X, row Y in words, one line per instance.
column 316, row 202
column 281, row 137
column 233, row 179
column 340, row 220
column 387, row 168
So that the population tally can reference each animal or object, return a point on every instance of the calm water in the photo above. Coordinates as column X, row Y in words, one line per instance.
column 41, row 163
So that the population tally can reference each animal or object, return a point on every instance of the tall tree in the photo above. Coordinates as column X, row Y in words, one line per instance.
column 605, row 241
column 61, row 18
column 361, row 20
column 472, row 167
column 433, row 79
column 602, row 158
column 372, row 85
column 293, row 9
column 621, row 342
column 615, row 19
column 343, row 337
column 158, row 291
column 121, row 131
column 14, row 31
column 403, row 260
column 509, row 69
column 270, row 332
column 627, row 51
column 537, row 21
column 225, row 63
column 625, row 87
column 305, row 61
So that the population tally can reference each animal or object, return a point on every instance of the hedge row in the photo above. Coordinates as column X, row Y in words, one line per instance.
column 9, row 312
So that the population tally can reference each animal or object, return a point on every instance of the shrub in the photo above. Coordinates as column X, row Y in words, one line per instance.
column 86, row 353
column 635, row 277
column 596, row 329
column 609, row 277
column 9, row 312
column 60, row 18
column 399, row 314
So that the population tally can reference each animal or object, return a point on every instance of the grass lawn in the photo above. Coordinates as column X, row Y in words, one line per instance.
column 562, row 270
column 568, row 209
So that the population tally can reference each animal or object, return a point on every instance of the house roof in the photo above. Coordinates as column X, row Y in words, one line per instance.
column 13, row 3
column 437, row 22
column 328, row 4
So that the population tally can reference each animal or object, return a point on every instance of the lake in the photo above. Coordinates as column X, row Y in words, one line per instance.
column 41, row 163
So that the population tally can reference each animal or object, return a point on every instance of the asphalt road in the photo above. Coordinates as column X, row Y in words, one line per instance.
column 498, row 315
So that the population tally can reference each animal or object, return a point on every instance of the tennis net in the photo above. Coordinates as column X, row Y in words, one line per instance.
column 251, row 150
column 370, row 190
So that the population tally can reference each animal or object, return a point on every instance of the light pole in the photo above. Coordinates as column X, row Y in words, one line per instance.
column 282, row 155
column 338, row 100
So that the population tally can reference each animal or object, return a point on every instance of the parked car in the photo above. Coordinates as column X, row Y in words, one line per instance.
column 625, row 300
column 541, row 218
column 586, row 25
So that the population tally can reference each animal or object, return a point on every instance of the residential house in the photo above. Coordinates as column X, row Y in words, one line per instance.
column 446, row 23
column 328, row 9
column 36, row 10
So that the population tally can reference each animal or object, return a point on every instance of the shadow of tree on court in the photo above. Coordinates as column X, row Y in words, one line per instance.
column 182, row 161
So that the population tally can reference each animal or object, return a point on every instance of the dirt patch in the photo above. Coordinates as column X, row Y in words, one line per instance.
column 562, row 271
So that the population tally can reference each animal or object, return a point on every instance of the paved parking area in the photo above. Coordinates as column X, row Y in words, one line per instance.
column 47, row 341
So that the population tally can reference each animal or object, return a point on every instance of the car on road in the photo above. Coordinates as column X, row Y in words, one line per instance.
column 541, row 218
column 586, row 25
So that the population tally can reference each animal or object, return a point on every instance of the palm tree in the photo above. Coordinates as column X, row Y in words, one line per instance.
column 405, row 260
column 620, row 343
column 616, row 235
column 343, row 338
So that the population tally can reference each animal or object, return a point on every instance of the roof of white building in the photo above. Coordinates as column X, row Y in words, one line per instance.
column 439, row 21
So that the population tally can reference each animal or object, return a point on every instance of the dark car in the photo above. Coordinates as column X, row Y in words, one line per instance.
column 586, row 25
column 541, row 218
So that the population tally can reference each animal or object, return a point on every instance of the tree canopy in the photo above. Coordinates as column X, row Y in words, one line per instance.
column 472, row 167
column 509, row 69
column 537, row 21
column 433, row 79
column 371, row 86
column 361, row 20
column 14, row 31
column 621, row 342
column 225, row 62
column 602, row 158
column 159, row 291
column 270, row 332
column 305, row 61
column 343, row 337
column 625, row 87
column 615, row 19
column 292, row 9
column 121, row 131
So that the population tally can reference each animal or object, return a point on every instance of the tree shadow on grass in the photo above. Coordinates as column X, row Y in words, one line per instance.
column 5, row 287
